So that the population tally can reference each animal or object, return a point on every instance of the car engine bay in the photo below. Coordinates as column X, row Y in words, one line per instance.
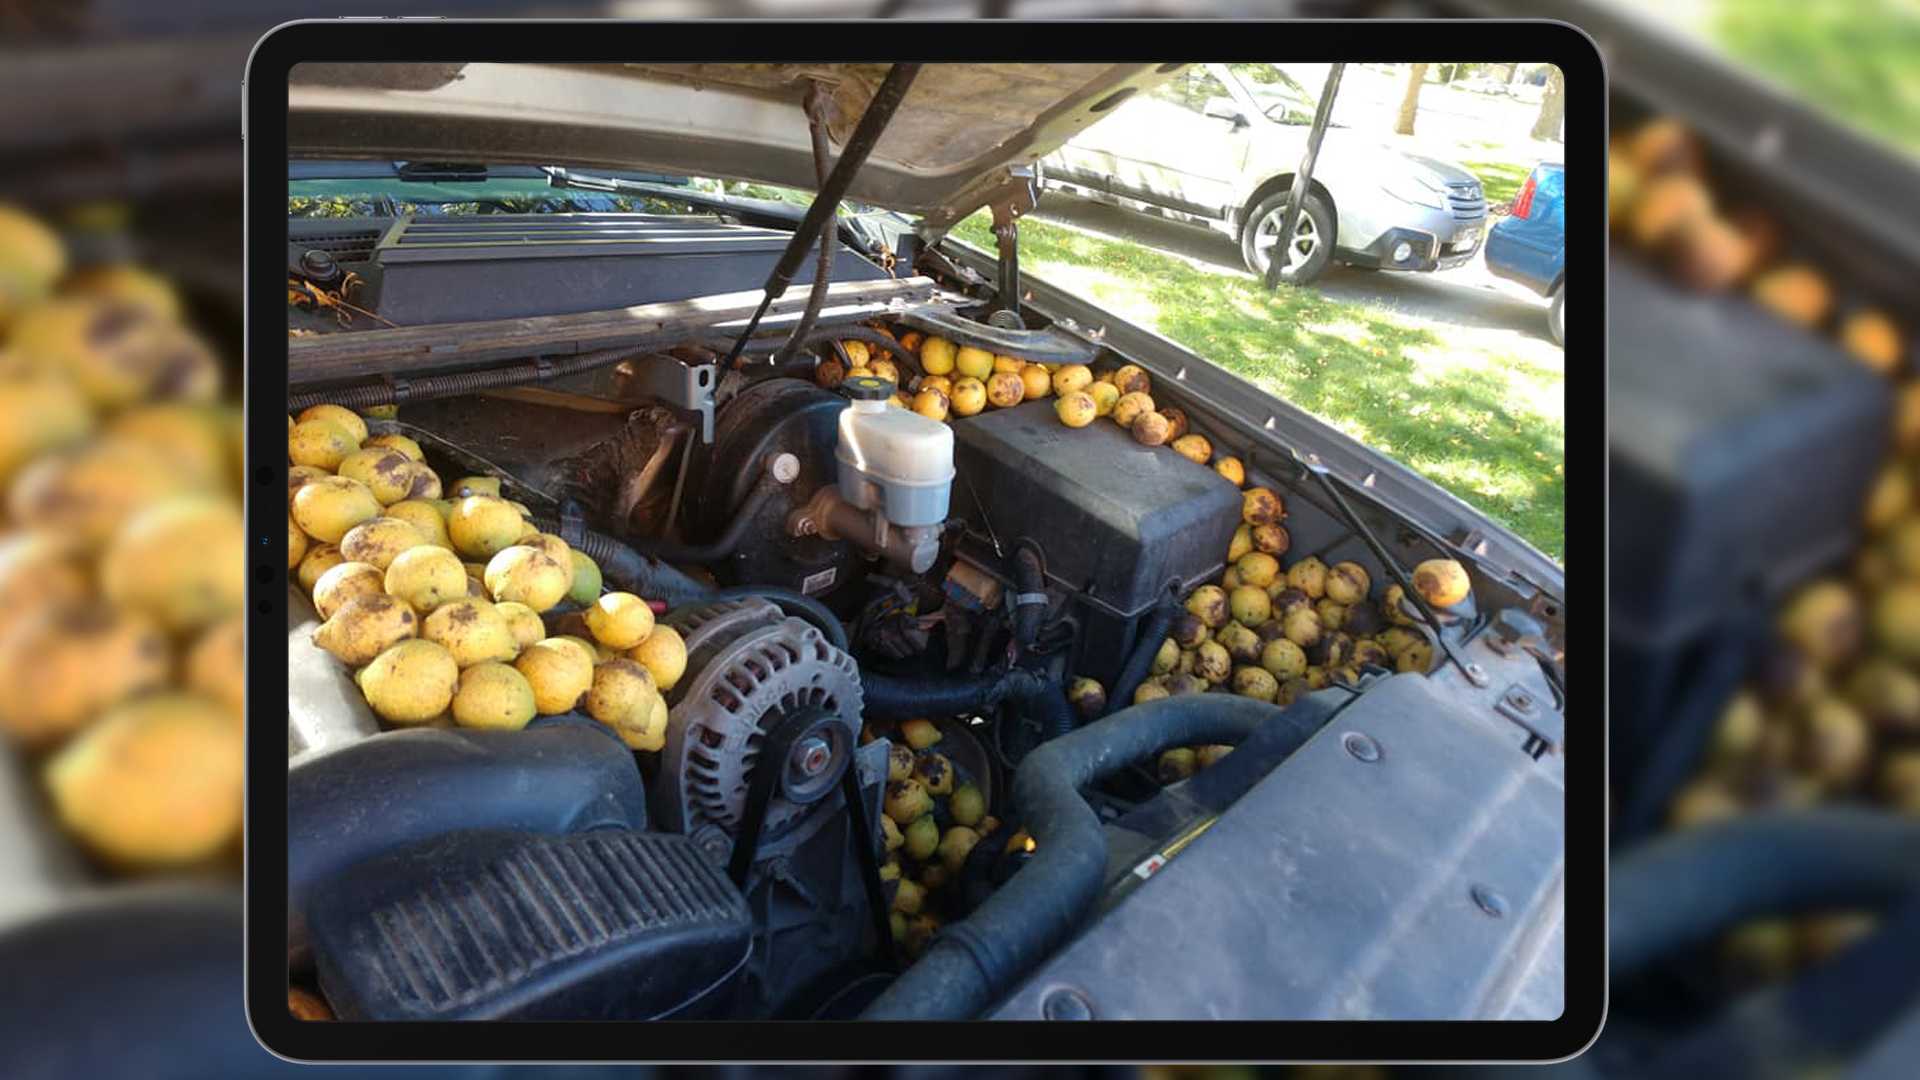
column 898, row 648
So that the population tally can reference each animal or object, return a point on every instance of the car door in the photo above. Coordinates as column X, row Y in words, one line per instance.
column 1163, row 147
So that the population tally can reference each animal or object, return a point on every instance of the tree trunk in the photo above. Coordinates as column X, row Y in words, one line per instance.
column 1410, row 104
column 1513, row 70
column 1552, row 107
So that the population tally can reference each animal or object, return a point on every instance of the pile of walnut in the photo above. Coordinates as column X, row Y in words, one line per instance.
column 442, row 606
column 122, row 564
column 1834, row 712
column 1661, row 204
column 934, row 816
column 1274, row 635
column 1265, row 631
column 962, row 380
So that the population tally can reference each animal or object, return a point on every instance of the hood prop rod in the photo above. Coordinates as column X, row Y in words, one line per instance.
column 1324, row 478
column 820, row 212
column 1020, row 194
column 1302, row 179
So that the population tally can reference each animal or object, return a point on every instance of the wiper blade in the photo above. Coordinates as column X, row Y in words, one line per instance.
column 771, row 208
column 865, row 236
column 440, row 172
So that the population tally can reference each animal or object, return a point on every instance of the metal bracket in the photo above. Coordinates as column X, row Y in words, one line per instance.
column 1019, row 195
column 686, row 386
column 1052, row 345
column 1523, row 707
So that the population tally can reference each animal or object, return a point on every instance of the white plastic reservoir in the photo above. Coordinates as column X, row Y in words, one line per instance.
column 893, row 458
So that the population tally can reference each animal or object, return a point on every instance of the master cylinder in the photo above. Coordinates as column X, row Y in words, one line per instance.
column 895, row 473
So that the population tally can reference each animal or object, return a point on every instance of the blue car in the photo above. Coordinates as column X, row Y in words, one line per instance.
column 1530, row 245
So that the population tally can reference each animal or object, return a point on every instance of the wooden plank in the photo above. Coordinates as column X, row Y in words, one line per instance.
column 418, row 350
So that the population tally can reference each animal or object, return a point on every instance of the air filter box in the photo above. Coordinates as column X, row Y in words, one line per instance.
column 1119, row 522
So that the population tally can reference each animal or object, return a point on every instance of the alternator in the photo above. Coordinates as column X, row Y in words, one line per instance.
column 752, row 668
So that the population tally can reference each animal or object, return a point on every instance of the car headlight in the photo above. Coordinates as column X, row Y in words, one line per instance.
column 1410, row 188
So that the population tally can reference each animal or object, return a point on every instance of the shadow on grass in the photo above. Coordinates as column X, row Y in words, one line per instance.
column 1449, row 414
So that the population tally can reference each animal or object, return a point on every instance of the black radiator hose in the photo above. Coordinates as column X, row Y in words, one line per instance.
column 1140, row 660
column 904, row 697
column 974, row 961
column 1048, row 704
column 1684, row 888
column 626, row 567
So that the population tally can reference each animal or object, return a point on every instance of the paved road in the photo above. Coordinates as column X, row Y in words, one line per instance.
column 1468, row 296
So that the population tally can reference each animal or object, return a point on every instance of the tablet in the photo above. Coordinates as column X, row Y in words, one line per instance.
column 788, row 556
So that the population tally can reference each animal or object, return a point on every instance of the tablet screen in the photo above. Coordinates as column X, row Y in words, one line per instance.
column 919, row 541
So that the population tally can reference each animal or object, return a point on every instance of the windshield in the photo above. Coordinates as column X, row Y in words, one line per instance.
column 1282, row 94
column 391, row 189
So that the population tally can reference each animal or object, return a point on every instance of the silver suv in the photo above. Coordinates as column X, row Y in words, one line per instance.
column 1217, row 146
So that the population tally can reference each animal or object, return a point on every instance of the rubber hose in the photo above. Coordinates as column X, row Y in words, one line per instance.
column 1685, row 888
column 868, row 334
column 1029, row 578
column 1047, row 702
column 796, row 605
column 723, row 545
column 974, row 961
column 1140, row 660
column 817, row 103
column 896, row 697
column 626, row 567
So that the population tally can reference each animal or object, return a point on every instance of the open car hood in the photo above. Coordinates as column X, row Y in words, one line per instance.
column 944, row 154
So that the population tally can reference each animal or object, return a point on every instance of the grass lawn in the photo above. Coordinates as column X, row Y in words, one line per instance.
column 1500, row 180
column 1483, row 425
column 1858, row 60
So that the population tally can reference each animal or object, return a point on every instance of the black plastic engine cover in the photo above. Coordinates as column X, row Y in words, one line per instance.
column 495, row 925
column 1714, row 518
column 1340, row 885
column 1118, row 521
column 1710, row 454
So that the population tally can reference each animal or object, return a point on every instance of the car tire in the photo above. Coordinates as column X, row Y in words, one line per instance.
column 1318, row 218
column 1556, row 323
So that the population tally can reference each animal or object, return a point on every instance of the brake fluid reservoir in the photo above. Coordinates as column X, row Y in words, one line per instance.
column 891, row 458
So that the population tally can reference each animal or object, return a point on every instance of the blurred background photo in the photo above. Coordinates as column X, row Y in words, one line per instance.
column 1763, row 693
